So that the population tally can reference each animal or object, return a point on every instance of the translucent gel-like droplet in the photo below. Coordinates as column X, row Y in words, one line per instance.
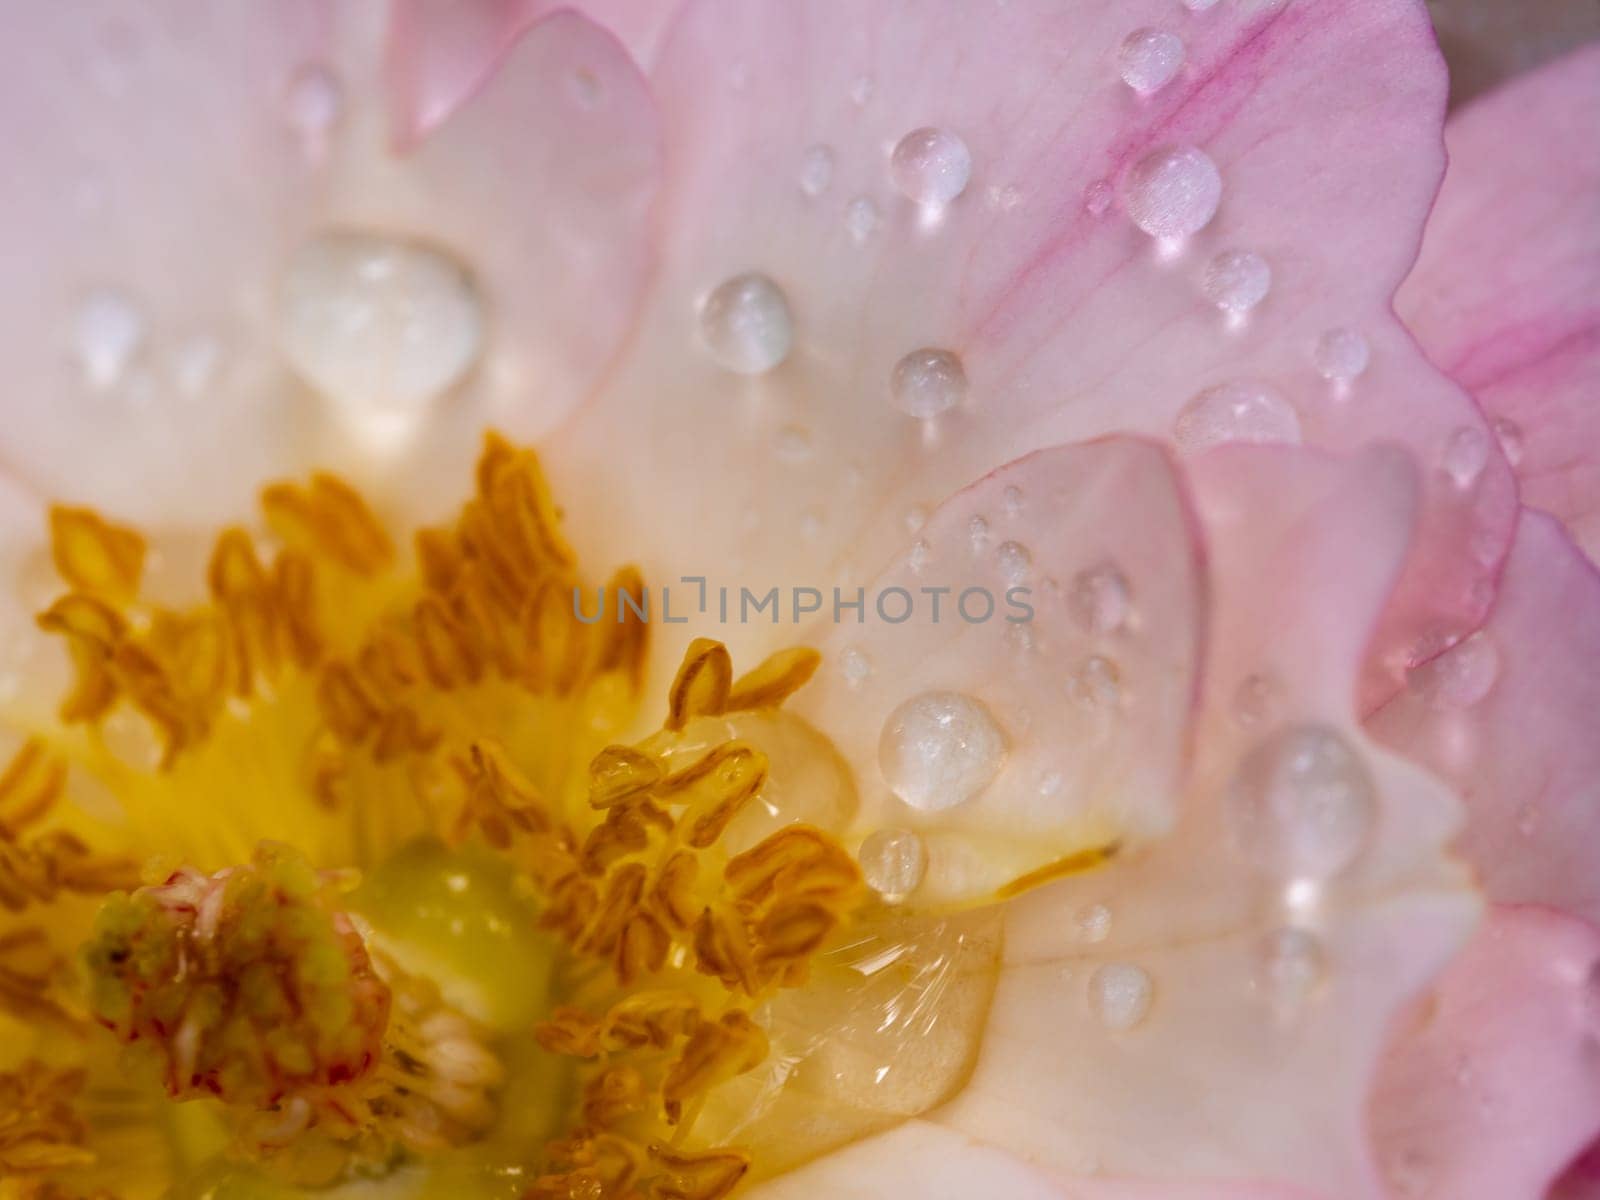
column 1244, row 410
column 107, row 332
column 1237, row 280
column 855, row 666
column 1100, row 599
column 1340, row 355
column 978, row 532
column 1094, row 923
column 1096, row 683
column 893, row 862
column 862, row 218
column 1097, row 197
column 1173, row 192
column 928, row 382
column 1014, row 561
column 1292, row 964
column 745, row 324
column 314, row 100
column 940, row 749
column 816, row 170
column 1512, row 443
column 1458, row 677
column 1013, row 501
column 931, row 166
column 1465, row 455
column 380, row 326
column 1302, row 804
column 1120, row 995
column 1148, row 59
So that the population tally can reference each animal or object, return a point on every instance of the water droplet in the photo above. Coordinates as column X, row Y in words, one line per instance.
column 1509, row 434
column 1458, row 677
column 793, row 444
column 1005, row 198
column 1014, row 561
column 1173, row 192
column 1120, row 995
column 855, row 667
column 1292, row 966
column 313, row 101
column 1237, row 280
column 745, row 324
column 1097, row 197
column 978, row 532
column 1340, row 355
column 862, row 218
column 861, row 88
column 1012, row 501
column 1241, row 411
column 1096, row 683
column 916, row 518
column 1094, row 923
column 1465, row 455
column 1100, row 599
column 1199, row 5
column 1255, row 701
column 380, row 326
column 107, row 332
column 921, row 552
column 1302, row 804
column 928, row 382
column 1149, row 58
column 931, row 166
column 893, row 862
column 940, row 749
column 816, row 170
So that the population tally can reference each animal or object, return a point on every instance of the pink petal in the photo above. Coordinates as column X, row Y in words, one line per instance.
column 1259, row 1045
column 1493, row 1082
column 1506, row 295
column 1508, row 718
column 1093, row 695
column 1324, row 126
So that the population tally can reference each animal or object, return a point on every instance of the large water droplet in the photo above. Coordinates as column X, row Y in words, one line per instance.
column 940, row 749
column 1458, row 677
column 1149, row 58
column 745, row 324
column 928, row 382
column 1237, row 280
column 1100, row 599
column 1465, row 455
column 862, row 218
column 1302, row 804
column 1340, row 355
column 893, row 862
column 1243, row 410
column 816, row 170
column 380, row 326
column 107, row 332
column 313, row 101
column 1173, row 192
column 1120, row 995
column 931, row 166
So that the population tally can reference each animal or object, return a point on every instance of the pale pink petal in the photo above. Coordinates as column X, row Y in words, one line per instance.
column 1492, row 1085
column 1063, row 594
column 780, row 123
column 1506, row 295
column 1270, row 991
column 1509, row 717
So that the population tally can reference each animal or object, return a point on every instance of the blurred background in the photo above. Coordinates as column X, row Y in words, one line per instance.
column 1488, row 40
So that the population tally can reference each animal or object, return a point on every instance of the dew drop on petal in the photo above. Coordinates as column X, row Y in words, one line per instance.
column 1013, row 501
column 745, row 324
column 1096, row 683
column 919, row 555
column 1458, row 677
column 1014, row 561
column 1509, row 435
column 1199, row 5
column 1292, row 964
column 1255, row 701
column 107, row 332
column 928, row 382
column 1120, row 995
column 1244, row 410
column 1340, row 355
column 816, row 170
column 931, row 166
column 1465, row 455
column 916, row 517
column 1097, row 197
column 313, row 101
column 1149, row 58
column 1094, row 923
column 1100, row 599
column 978, row 532
column 862, row 218
column 1237, row 280
column 940, row 749
column 1302, row 804
column 380, row 326
column 855, row 667
column 893, row 862
column 1173, row 192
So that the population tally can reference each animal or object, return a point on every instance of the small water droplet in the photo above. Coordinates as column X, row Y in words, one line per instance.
column 1120, row 995
column 928, row 382
column 1465, row 455
column 1509, row 435
column 1341, row 355
column 1244, row 410
column 855, row 666
column 1292, row 966
column 916, row 518
column 1199, row 5
column 1302, row 804
column 978, row 533
column 745, row 324
column 1012, row 501
column 313, row 101
column 1097, row 197
column 793, row 444
column 920, row 553
column 1096, row 683
column 1094, row 923
column 862, row 218
column 861, row 88
column 1149, row 59
column 1014, row 561
column 107, row 332
column 1255, row 701
column 816, row 170
column 931, row 166
column 1004, row 198
column 940, row 749
column 893, row 862
column 1458, row 677
column 1173, row 192
column 1237, row 280
column 1100, row 599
